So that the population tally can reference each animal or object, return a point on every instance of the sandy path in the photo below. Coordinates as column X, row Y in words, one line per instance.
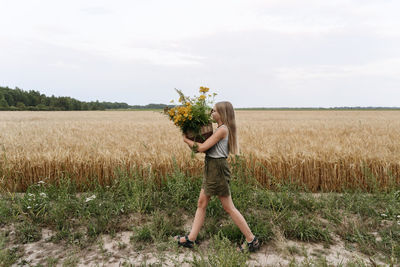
column 108, row 251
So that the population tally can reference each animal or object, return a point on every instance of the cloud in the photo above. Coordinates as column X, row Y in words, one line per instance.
column 279, row 52
column 96, row 10
column 117, row 52
column 60, row 64
column 380, row 68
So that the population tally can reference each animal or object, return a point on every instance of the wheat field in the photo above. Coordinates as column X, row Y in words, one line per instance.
column 325, row 150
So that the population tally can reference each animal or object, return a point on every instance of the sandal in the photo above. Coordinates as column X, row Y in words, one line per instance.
column 188, row 243
column 252, row 246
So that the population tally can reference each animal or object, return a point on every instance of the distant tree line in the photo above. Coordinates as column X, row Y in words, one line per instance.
column 152, row 106
column 18, row 99
column 366, row 108
column 320, row 108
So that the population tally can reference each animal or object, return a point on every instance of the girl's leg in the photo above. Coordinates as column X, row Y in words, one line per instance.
column 199, row 216
column 236, row 216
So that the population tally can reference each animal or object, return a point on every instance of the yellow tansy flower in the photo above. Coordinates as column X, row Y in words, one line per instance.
column 204, row 89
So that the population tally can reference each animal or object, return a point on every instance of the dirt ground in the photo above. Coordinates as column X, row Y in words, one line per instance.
column 117, row 251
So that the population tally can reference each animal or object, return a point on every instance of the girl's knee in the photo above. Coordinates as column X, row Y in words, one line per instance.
column 227, row 204
column 229, row 208
column 202, row 202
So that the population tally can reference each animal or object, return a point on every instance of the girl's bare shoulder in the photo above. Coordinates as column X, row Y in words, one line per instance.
column 223, row 130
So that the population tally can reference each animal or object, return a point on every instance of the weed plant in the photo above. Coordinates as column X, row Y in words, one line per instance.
column 370, row 222
column 220, row 253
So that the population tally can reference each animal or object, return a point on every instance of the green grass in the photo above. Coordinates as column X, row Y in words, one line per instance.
column 8, row 256
column 27, row 232
column 220, row 253
column 78, row 218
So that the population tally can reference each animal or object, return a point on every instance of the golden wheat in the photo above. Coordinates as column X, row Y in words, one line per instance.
column 323, row 150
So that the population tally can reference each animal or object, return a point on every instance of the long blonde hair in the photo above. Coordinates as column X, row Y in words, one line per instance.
column 225, row 110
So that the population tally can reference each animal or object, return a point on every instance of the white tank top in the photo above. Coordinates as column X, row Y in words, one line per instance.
column 221, row 148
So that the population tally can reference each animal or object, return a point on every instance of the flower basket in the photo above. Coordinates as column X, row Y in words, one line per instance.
column 193, row 115
column 205, row 132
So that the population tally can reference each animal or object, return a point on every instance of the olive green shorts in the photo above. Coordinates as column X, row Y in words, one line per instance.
column 216, row 177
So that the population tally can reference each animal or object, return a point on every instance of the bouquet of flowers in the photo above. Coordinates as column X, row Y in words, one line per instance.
column 192, row 116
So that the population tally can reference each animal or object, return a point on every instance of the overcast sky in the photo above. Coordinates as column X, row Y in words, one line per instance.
column 276, row 53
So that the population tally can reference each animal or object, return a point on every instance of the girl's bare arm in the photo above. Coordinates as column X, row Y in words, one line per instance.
column 218, row 135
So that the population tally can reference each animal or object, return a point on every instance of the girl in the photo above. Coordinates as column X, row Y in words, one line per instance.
column 217, row 175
